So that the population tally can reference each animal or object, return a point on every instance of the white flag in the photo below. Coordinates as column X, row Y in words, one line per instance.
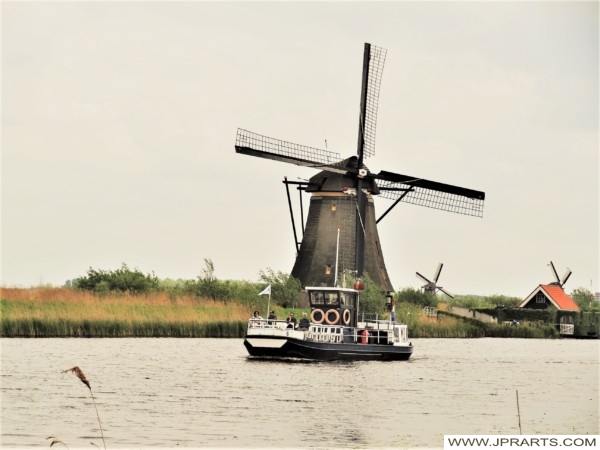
column 266, row 291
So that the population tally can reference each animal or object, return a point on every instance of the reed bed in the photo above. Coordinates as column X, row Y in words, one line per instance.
column 63, row 312
column 448, row 326
column 57, row 312
column 443, row 327
column 528, row 331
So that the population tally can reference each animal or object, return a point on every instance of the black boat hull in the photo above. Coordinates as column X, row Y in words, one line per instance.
column 286, row 347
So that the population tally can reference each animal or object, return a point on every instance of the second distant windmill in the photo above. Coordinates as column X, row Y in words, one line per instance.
column 431, row 287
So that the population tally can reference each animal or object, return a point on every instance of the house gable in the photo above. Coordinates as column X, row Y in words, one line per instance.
column 547, row 295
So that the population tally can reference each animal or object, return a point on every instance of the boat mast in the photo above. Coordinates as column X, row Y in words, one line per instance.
column 337, row 254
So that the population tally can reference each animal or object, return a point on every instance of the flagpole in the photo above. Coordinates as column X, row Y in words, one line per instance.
column 267, row 290
column 337, row 251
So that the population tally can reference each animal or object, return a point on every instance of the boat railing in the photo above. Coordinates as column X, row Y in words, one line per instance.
column 382, row 331
column 267, row 323
column 379, row 324
column 326, row 333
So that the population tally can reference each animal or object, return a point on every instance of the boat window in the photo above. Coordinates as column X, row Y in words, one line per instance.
column 316, row 297
column 331, row 298
column 346, row 298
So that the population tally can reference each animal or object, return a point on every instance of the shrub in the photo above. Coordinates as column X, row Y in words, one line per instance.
column 122, row 280
column 285, row 290
column 372, row 299
column 416, row 297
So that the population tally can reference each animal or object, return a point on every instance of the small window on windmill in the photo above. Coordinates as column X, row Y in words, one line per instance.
column 327, row 269
column 540, row 298
column 334, row 206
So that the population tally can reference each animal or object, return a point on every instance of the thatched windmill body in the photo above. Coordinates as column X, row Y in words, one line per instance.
column 342, row 194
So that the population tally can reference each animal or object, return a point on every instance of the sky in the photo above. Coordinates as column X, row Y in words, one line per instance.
column 119, row 123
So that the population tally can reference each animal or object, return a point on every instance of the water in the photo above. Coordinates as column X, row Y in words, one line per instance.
column 207, row 393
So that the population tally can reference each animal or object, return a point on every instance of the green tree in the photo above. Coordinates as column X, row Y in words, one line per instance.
column 285, row 289
column 584, row 298
column 208, row 284
column 416, row 297
column 121, row 280
column 372, row 299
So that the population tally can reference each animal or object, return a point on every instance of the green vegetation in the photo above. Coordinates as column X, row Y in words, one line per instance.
column 62, row 312
column 122, row 280
column 585, row 299
column 416, row 297
column 127, row 303
column 372, row 299
column 480, row 302
column 285, row 288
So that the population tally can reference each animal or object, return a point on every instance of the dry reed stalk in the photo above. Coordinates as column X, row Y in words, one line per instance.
column 519, row 413
column 79, row 374
column 55, row 440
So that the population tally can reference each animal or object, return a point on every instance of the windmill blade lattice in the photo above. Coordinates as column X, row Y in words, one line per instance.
column 254, row 144
column 431, row 194
column 375, row 72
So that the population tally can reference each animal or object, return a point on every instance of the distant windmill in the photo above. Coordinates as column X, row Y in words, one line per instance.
column 431, row 287
column 560, row 281
column 342, row 194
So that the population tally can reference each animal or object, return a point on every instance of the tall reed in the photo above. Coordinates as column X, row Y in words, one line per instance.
column 79, row 374
column 66, row 313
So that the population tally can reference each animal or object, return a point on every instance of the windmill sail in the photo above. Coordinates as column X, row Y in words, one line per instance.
column 438, row 271
column 254, row 144
column 565, row 277
column 431, row 194
column 560, row 281
column 373, row 61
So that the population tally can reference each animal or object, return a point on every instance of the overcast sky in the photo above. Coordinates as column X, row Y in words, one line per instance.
column 119, row 123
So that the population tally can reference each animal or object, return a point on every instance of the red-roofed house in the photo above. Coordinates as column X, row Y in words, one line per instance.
column 547, row 295
column 553, row 296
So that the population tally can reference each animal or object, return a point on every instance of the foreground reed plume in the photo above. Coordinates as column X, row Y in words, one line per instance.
column 55, row 440
column 79, row 374
column 77, row 371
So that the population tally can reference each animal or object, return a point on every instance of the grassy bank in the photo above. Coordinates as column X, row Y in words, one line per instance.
column 449, row 326
column 58, row 312
column 63, row 312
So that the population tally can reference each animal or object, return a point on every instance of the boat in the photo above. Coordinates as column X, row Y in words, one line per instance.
column 334, row 332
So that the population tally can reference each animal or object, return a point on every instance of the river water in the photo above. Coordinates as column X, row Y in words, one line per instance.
column 197, row 393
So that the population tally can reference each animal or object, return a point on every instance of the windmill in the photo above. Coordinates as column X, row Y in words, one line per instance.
column 560, row 281
column 431, row 287
column 342, row 194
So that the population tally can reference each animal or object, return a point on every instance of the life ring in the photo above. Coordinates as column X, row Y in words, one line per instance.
column 334, row 321
column 314, row 313
column 346, row 316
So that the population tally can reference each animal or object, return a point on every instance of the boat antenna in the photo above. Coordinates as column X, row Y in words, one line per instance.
column 337, row 251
